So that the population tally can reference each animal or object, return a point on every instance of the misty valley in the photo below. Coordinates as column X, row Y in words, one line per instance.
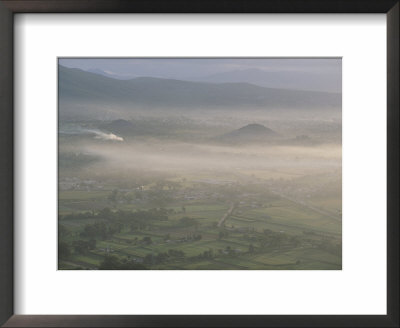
column 157, row 201
column 162, row 182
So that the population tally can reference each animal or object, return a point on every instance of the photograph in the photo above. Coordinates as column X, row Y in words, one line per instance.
column 222, row 163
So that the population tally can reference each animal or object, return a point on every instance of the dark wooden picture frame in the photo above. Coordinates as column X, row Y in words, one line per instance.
column 10, row 7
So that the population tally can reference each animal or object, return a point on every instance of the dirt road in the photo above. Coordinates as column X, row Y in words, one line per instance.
column 226, row 215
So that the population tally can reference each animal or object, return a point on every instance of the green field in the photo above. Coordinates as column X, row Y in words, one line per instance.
column 263, row 231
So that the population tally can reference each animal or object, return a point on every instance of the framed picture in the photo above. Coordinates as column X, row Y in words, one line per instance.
column 234, row 159
column 199, row 164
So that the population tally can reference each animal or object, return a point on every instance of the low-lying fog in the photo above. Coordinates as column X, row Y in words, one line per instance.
column 155, row 152
column 166, row 156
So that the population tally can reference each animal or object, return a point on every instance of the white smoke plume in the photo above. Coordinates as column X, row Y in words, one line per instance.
column 73, row 129
column 105, row 136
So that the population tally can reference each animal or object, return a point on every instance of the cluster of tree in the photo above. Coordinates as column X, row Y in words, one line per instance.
column 158, row 258
column 252, row 237
column 163, row 257
column 330, row 247
column 222, row 234
column 109, row 222
column 101, row 229
column 139, row 225
column 229, row 251
column 191, row 237
column 65, row 250
column 176, row 253
column 142, row 220
column 111, row 262
column 133, row 241
column 188, row 222
column 63, row 231
column 196, row 236
column 207, row 254
column 251, row 249
column 146, row 240
column 83, row 246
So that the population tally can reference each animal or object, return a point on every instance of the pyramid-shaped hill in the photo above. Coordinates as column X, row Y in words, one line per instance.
column 251, row 133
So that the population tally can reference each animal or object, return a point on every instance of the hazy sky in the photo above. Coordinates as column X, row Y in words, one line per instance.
column 324, row 72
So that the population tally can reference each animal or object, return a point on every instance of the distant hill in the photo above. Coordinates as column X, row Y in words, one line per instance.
column 251, row 133
column 111, row 75
column 80, row 88
column 296, row 80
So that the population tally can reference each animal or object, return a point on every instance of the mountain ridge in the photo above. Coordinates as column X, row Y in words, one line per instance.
column 289, row 80
column 78, row 87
